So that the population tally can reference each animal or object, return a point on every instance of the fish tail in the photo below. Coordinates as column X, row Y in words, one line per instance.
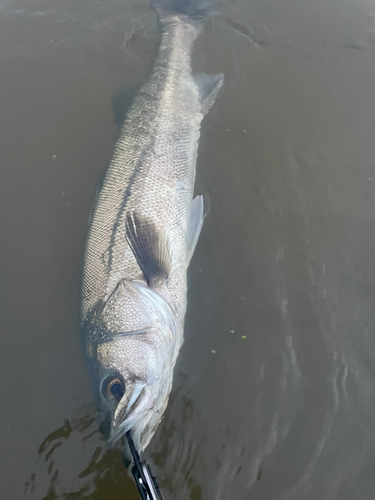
column 192, row 11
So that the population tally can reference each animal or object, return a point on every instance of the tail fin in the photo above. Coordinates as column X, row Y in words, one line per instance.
column 195, row 11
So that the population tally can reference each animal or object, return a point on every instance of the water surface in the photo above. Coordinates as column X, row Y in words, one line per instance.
column 273, row 397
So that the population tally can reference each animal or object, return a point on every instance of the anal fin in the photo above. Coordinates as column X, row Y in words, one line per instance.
column 208, row 88
column 150, row 248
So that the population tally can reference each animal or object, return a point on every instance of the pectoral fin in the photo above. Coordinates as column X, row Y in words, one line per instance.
column 150, row 248
column 194, row 226
column 208, row 87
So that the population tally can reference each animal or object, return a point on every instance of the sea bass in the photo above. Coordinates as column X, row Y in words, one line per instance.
column 143, row 230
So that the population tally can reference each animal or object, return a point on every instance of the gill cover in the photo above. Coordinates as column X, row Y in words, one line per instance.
column 134, row 308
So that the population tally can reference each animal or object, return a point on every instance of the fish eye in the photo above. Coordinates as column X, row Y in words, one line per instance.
column 114, row 388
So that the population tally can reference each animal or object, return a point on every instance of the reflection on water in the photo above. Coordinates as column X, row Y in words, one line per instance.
column 103, row 475
column 175, row 446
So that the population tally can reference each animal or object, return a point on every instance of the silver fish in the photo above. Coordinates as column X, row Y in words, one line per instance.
column 142, row 234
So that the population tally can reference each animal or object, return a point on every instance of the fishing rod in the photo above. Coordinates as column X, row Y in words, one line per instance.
column 146, row 483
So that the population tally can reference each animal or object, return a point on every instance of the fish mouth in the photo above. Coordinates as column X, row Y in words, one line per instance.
column 132, row 414
column 117, row 433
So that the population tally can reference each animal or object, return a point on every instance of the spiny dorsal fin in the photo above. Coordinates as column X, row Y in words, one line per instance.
column 97, row 191
column 208, row 87
column 150, row 248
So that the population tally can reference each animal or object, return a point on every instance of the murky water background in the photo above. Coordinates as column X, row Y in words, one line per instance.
column 273, row 396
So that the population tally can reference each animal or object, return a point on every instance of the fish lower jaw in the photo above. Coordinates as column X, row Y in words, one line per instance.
column 117, row 433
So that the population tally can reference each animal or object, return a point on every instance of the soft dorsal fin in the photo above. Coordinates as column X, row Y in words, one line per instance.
column 208, row 87
column 150, row 248
column 195, row 223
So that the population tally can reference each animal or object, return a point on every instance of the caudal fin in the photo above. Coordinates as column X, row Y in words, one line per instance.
column 194, row 10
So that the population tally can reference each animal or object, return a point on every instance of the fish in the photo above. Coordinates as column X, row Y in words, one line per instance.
column 143, row 229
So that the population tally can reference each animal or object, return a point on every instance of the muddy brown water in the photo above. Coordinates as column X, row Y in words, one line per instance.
column 273, row 396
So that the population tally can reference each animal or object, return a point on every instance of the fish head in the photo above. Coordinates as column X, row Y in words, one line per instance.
column 132, row 373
